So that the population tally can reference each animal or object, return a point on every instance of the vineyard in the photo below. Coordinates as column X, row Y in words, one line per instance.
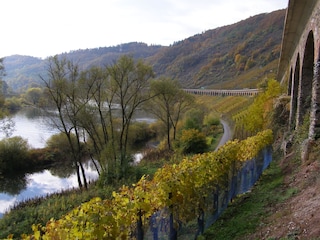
column 177, row 194
column 232, row 104
column 225, row 106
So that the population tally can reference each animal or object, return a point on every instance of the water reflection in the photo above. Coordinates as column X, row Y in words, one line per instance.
column 31, row 113
column 30, row 125
column 13, row 184
column 17, row 189
column 62, row 170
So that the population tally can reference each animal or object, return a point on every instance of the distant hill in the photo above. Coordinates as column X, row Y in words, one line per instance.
column 23, row 71
column 106, row 55
column 234, row 56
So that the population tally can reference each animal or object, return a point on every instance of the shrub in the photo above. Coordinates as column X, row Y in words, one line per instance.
column 140, row 132
column 13, row 104
column 211, row 120
column 193, row 119
column 14, row 154
column 192, row 141
column 158, row 128
column 60, row 145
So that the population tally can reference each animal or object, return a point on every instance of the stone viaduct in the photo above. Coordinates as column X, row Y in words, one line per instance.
column 299, row 65
column 221, row 92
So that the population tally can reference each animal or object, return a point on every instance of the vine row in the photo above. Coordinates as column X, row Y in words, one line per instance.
column 181, row 189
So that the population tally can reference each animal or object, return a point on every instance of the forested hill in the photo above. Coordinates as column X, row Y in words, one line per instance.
column 234, row 56
column 224, row 54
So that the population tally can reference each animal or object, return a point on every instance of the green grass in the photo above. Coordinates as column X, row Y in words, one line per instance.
column 40, row 210
column 247, row 211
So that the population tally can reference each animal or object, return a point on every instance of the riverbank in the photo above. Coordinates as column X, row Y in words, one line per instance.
column 42, row 209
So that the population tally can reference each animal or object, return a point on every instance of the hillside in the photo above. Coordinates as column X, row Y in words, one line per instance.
column 225, row 54
column 234, row 56
column 23, row 71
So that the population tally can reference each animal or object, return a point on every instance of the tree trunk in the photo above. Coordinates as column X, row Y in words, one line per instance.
column 168, row 132
column 78, row 176
column 84, row 176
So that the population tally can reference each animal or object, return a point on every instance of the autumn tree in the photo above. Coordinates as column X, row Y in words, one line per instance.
column 33, row 95
column 258, row 116
column 169, row 104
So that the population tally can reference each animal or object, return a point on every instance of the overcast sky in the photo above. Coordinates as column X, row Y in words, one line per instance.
column 42, row 28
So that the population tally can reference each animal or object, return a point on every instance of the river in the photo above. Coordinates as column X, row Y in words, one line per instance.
column 37, row 130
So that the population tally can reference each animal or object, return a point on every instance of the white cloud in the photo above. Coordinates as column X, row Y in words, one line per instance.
column 6, row 201
column 41, row 28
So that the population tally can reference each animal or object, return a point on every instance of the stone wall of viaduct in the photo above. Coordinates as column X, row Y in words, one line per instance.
column 221, row 92
column 299, row 65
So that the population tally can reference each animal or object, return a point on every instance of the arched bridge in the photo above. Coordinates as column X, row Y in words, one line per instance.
column 299, row 65
column 221, row 92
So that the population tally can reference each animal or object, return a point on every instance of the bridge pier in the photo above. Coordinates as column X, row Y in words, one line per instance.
column 314, row 131
column 300, row 59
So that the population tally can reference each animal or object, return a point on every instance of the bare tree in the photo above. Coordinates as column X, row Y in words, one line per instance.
column 129, row 84
column 95, row 116
column 61, row 85
column 99, row 104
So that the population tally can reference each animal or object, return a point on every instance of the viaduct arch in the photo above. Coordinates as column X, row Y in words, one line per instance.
column 299, row 65
column 223, row 92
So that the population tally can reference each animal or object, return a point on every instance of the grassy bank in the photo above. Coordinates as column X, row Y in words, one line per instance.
column 246, row 213
column 40, row 210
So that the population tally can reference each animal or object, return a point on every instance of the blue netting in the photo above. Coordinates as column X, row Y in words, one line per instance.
column 160, row 226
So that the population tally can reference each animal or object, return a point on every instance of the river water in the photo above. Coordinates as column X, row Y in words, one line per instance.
column 37, row 130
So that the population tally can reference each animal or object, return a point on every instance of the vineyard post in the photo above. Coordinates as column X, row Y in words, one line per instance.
column 216, row 200
column 173, row 232
column 234, row 180
column 140, row 232
column 200, row 222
